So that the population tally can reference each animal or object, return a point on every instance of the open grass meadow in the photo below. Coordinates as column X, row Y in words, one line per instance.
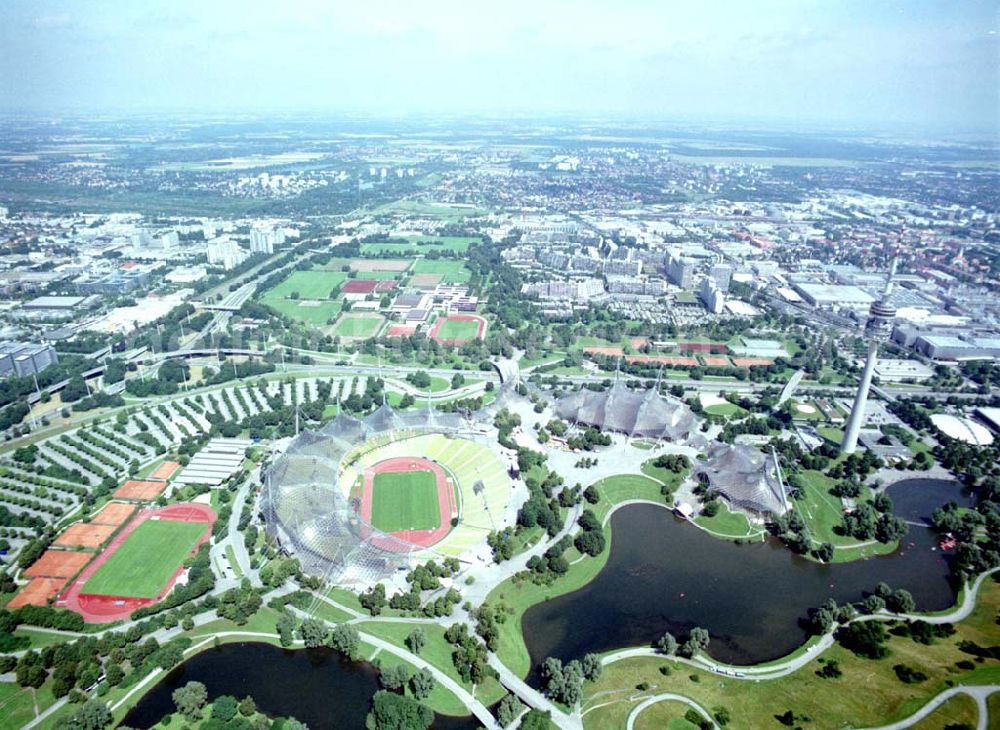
column 437, row 652
column 867, row 694
column 143, row 564
column 405, row 501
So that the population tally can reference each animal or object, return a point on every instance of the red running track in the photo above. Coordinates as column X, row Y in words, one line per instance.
column 414, row 538
column 480, row 333
column 104, row 609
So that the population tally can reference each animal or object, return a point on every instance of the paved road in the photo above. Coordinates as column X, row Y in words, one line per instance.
column 664, row 697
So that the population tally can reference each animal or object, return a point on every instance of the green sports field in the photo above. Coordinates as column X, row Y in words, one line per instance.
column 452, row 272
column 313, row 303
column 405, row 500
column 457, row 329
column 143, row 564
column 358, row 326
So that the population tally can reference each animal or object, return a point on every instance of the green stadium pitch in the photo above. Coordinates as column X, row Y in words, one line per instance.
column 405, row 500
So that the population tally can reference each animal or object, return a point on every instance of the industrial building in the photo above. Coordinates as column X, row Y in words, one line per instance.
column 19, row 358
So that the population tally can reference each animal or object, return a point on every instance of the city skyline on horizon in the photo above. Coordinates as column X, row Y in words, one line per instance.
column 900, row 65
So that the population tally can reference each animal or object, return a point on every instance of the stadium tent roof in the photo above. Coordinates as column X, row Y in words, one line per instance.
column 745, row 477
column 313, row 516
column 635, row 412
column 384, row 418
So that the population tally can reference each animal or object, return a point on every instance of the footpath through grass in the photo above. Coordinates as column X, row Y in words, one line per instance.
column 143, row 564
column 868, row 693
column 437, row 652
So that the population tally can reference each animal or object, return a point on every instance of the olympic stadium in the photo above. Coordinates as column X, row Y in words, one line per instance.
column 360, row 498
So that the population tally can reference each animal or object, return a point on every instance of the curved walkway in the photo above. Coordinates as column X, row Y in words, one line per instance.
column 476, row 707
column 978, row 694
column 665, row 697
column 532, row 697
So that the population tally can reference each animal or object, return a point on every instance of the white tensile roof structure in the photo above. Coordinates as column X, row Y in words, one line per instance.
column 745, row 477
column 642, row 413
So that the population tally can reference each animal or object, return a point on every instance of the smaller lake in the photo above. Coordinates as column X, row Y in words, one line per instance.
column 916, row 499
column 319, row 687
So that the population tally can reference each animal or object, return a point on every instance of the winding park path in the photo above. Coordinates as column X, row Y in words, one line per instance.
column 666, row 697
column 978, row 694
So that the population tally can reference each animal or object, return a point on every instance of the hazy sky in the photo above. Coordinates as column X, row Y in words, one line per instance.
column 864, row 62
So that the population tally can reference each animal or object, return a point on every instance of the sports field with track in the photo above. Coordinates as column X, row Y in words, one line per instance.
column 405, row 500
column 147, row 560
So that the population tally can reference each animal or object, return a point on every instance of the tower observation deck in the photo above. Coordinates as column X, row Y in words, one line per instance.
column 878, row 327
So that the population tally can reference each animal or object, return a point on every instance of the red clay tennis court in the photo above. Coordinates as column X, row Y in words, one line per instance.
column 58, row 564
column 103, row 609
column 409, row 539
column 662, row 360
column 401, row 330
column 140, row 491
column 746, row 362
column 37, row 592
column 85, row 535
column 114, row 514
column 164, row 471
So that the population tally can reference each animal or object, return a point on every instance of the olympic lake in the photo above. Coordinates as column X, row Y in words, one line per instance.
column 665, row 575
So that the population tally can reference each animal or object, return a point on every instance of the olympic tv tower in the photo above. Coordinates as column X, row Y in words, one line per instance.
column 877, row 330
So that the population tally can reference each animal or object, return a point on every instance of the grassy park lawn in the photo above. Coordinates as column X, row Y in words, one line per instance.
column 358, row 325
column 664, row 715
column 437, row 652
column 954, row 712
column 822, row 513
column 725, row 409
column 405, row 501
column 670, row 478
column 728, row 524
column 18, row 703
column 40, row 638
column 868, row 694
column 143, row 564
column 832, row 434
column 452, row 272
column 457, row 329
